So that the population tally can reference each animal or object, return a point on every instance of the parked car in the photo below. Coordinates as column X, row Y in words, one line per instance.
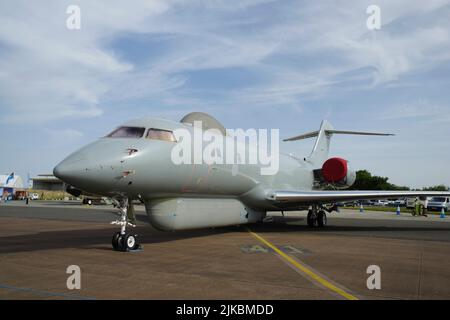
column 400, row 203
column 34, row 196
column 380, row 203
column 437, row 203
column 410, row 202
column 366, row 202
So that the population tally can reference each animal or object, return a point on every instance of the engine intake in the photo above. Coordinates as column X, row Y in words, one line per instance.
column 335, row 172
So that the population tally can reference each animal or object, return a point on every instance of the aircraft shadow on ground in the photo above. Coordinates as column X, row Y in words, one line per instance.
column 100, row 238
column 286, row 224
column 90, row 238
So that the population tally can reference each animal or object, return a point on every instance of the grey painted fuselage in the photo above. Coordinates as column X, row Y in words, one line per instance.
column 106, row 167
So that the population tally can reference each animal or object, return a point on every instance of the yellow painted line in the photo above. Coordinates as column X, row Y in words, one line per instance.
column 304, row 269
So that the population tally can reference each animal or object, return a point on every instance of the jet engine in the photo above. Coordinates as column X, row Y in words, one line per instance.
column 193, row 213
column 335, row 172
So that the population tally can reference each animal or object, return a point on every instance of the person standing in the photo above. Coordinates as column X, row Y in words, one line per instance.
column 425, row 207
column 416, row 211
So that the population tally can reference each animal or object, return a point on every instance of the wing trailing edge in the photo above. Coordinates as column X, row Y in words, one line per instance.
column 338, row 196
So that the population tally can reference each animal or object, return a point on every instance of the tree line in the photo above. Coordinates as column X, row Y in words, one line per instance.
column 366, row 181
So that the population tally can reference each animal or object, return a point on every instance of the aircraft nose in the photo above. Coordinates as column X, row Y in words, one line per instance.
column 71, row 169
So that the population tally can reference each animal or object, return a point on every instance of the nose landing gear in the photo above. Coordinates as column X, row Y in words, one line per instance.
column 123, row 241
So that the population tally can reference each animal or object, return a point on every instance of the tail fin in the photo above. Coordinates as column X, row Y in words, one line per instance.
column 322, row 146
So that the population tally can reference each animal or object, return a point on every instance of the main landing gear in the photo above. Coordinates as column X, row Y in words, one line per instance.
column 123, row 241
column 316, row 217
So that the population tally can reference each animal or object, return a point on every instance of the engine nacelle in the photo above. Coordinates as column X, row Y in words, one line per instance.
column 335, row 172
column 73, row 191
column 194, row 213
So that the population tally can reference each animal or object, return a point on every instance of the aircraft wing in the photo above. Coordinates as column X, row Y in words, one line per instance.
column 339, row 196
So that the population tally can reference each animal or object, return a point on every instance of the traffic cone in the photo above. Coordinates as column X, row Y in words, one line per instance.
column 398, row 210
column 361, row 208
column 442, row 213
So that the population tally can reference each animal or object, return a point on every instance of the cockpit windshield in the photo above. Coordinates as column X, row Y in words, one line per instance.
column 160, row 134
column 127, row 132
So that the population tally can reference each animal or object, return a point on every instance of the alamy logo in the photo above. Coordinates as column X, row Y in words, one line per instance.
column 374, row 280
column 73, row 21
column 374, row 20
column 197, row 146
column 74, row 280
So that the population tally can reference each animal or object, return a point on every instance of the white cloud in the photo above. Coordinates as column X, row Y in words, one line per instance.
column 49, row 72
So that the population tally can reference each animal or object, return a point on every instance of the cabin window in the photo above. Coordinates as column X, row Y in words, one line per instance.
column 127, row 132
column 160, row 134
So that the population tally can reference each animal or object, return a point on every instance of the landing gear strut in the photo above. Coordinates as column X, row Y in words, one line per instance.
column 316, row 217
column 123, row 241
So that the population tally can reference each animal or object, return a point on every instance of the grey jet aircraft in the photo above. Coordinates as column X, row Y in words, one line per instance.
column 134, row 162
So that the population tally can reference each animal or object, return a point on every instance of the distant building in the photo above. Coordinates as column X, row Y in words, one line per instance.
column 47, row 182
column 11, row 185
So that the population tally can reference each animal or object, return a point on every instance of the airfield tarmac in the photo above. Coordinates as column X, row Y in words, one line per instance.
column 280, row 259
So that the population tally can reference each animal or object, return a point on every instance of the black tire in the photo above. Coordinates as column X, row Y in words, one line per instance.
column 115, row 241
column 310, row 220
column 321, row 219
column 121, row 243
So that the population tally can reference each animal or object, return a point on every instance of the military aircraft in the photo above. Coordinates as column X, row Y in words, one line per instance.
column 135, row 162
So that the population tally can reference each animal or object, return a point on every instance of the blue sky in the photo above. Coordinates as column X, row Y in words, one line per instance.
column 251, row 64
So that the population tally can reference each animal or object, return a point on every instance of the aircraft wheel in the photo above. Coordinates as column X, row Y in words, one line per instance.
column 321, row 219
column 130, row 242
column 121, row 245
column 115, row 241
column 312, row 222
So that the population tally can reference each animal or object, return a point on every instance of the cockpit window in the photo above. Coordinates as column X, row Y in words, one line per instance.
column 160, row 134
column 127, row 132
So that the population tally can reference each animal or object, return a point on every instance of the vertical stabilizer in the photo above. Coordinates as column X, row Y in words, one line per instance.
column 321, row 148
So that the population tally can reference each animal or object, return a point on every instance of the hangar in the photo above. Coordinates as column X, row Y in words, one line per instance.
column 47, row 182
column 11, row 185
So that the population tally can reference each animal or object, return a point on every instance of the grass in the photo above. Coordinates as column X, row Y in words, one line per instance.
column 389, row 209
column 52, row 195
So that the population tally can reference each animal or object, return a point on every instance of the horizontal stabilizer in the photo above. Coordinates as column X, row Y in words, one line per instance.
column 303, row 136
column 329, row 132
column 359, row 132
